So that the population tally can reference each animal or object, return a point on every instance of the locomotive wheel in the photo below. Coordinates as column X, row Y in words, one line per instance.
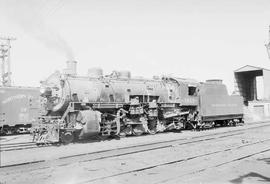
column 4, row 131
column 126, row 131
column 152, row 127
column 8, row 131
column 67, row 137
column 138, row 130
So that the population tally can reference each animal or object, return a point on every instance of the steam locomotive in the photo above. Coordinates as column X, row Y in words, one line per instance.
column 123, row 105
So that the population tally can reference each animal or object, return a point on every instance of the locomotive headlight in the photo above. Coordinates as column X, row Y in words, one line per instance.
column 45, row 91
column 42, row 90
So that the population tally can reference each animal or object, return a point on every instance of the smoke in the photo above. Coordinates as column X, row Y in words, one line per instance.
column 28, row 15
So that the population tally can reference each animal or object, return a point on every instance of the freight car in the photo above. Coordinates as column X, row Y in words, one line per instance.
column 131, row 106
column 19, row 109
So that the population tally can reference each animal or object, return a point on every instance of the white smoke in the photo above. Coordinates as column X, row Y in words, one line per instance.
column 28, row 15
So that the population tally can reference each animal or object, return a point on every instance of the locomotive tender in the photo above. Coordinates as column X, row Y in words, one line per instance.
column 123, row 105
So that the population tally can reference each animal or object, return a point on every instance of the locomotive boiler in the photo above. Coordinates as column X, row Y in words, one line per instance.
column 124, row 105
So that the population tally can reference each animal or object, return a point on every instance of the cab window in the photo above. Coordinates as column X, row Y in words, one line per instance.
column 192, row 91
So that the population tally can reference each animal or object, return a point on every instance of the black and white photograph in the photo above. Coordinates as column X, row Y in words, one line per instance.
column 134, row 91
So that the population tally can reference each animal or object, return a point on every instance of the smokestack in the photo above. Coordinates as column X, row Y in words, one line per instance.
column 71, row 68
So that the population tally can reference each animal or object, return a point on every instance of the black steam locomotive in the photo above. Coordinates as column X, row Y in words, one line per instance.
column 121, row 105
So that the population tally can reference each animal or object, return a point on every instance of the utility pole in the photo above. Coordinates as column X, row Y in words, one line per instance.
column 5, row 47
column 268, row 44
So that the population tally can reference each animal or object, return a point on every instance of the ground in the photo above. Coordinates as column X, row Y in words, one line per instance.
column 225, row 155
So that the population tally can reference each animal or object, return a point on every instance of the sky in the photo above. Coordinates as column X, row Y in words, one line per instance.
column 185, row 38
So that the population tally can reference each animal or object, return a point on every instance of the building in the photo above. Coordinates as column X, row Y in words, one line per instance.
column 253, row 83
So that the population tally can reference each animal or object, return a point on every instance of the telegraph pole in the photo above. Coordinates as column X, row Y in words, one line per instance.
column 5, row 60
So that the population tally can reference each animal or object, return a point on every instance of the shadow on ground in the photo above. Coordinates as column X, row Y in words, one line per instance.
column 250, row 175
column 267, row 160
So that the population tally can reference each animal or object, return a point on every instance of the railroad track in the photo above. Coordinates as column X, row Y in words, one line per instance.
column 17, row 146
column 42, row 165
column 237, row 159
column 31, row 145
column 94, row 156
column 7, row 138
column 150, row 167
column 98, row 155
column 123, row 151
column 64, row 161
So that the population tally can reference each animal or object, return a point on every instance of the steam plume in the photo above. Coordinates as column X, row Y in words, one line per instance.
column 27, row 15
